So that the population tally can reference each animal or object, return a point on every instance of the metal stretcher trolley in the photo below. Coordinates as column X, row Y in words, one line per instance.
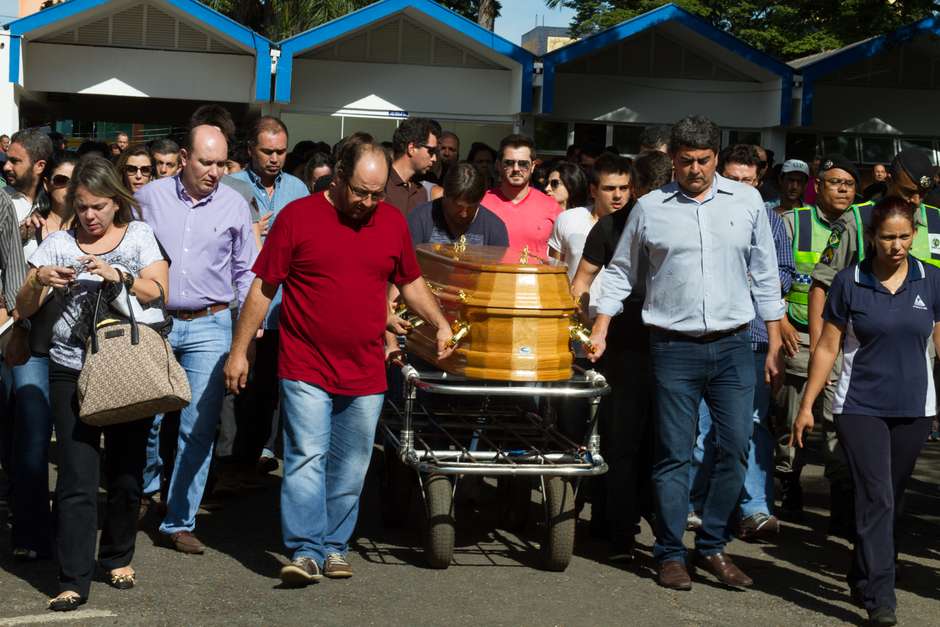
column 492, row 408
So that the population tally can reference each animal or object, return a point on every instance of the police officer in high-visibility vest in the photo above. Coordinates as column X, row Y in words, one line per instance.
column 911, row 179
column 811, row 229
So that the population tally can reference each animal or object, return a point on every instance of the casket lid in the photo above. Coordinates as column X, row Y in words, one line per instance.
column 490, row 259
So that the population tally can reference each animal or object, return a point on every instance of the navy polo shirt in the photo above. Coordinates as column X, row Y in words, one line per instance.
column 886, row 370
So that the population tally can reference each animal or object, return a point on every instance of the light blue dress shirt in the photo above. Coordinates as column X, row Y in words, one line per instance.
column 706, row 260
column 287, row 189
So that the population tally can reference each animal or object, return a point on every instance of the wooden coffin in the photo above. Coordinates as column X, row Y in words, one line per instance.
column 519, row 310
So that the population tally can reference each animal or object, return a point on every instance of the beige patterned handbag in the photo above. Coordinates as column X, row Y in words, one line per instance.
column 130, row 373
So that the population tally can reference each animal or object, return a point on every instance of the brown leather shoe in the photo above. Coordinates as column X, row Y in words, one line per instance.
column 673, row 575
column 186, row 542
column 721, row 566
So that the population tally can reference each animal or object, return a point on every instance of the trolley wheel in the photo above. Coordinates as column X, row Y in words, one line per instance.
column 515, row 493
column 398, row 487
column 439, row 533
column 558, row 540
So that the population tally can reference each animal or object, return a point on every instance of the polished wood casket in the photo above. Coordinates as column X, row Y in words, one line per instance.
column 513, row 313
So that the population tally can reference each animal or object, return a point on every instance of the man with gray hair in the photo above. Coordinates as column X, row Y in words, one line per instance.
column 702, row 246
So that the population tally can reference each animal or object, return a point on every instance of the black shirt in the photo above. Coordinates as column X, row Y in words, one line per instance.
column 627, row 331
column 428, row 226
column 876, row 191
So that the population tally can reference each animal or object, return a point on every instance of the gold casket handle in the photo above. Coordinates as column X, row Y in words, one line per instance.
column 580, row 333
column 461, row 330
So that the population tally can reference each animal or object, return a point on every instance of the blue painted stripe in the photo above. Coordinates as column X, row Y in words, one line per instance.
column 262, row 70
column 867, row 50
column 15, row 59
column 641, row 23
column 356, row 20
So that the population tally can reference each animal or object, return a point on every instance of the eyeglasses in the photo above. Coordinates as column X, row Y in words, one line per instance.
column 432, row 150
column 747, row 180
column 554, row 183
column 363, row 194
column 512, row 164
column 132, row 170
column 60, row 180
column 850, row 183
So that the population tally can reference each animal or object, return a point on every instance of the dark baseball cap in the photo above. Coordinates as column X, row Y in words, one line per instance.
column 838, row 162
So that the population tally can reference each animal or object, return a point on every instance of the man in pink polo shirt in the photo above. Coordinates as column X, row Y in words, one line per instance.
column 529, row 215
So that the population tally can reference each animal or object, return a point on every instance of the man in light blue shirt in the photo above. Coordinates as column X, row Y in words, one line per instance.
column 707, row 244
column 274, row 189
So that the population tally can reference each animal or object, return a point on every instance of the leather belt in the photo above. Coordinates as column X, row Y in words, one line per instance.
column 699, row 339
column 191, row 314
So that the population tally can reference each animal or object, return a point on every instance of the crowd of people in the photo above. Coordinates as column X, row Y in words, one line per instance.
column 733, row 304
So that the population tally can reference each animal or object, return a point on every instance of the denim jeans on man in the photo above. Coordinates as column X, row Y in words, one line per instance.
column 685, row 371
column 201, row 346
column 757, row 497
column 328, row 442
column 32, row 431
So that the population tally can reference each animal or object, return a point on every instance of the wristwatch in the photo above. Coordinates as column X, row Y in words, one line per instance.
column 127, row 279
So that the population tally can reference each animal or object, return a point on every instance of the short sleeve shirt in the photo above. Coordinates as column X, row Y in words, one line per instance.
column 334, row 275
column 626, row 330
column 569, row 234
column 137, row 250
column 886, row 369
column 428, row 226
column 529, row 222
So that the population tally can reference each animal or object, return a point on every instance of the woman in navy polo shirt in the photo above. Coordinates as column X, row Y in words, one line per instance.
column 881, row 313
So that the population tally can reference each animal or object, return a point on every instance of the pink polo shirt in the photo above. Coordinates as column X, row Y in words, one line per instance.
column 529, row 221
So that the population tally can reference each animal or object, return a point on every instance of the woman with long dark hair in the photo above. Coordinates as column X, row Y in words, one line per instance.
column 105, row 246
column 882, row 313
column 136, row 167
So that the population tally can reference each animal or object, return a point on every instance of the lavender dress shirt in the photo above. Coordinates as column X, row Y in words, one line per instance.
column 210, row 243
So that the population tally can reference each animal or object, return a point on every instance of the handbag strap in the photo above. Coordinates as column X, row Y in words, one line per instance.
column 135, row 330
column 94, row 324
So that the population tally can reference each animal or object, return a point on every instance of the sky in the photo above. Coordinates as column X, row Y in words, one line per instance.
column 518, row 17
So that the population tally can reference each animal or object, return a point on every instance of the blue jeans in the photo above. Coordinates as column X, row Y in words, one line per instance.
column 685, row 372
column 328, row 442
column 201, row 346
column 32, row 431
column 758, row 494
column 154, row 468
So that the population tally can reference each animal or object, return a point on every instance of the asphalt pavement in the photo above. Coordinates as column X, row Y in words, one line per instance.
column 494, row 579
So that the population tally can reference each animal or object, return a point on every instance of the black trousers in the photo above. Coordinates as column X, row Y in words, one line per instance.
column 256, row 408
column 881, row 453
column 79, row 452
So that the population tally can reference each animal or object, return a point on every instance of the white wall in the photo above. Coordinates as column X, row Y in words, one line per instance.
column 910, row 111
column 9, row 92
column 328, row 86
column 141, row 73
column 663, row 101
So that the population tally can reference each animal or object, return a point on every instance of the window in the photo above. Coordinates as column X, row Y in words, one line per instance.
column 551, row 136
column 877, row 149
column 801, row 146
column 590, row 134
column 844, row 145
column 627, row 139
column 744, row 137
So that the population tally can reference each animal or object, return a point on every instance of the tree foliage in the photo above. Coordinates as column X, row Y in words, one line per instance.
column 785, row 29
column 280, row 19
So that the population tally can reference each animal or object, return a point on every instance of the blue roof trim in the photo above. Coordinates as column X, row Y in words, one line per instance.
column 196, row 10
column 298, row 44
column 870, row 48
column 666, row 13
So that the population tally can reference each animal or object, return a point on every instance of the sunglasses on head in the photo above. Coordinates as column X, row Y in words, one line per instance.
column 132, row 170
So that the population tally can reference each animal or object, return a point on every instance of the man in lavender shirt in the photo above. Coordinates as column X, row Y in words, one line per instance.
column 205, row 229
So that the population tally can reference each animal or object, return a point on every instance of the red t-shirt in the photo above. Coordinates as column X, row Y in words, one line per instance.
column 334, row 280
column 529, row 222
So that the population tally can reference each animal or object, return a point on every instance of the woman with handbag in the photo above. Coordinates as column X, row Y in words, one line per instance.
column 32, row 423
column 78, row 263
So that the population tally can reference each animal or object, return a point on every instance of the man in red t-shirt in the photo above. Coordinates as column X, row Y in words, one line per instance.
column 529, row 214
column 333, row 253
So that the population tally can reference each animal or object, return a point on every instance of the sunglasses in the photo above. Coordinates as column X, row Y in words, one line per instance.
column 60, row 180
column 432, row 150
column 132, row 170
column 554, row 183
column 512, row 164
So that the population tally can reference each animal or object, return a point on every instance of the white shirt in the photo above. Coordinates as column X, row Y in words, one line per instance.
column 568, row 237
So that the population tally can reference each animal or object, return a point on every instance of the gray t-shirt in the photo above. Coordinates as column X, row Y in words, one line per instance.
column 137, row 250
